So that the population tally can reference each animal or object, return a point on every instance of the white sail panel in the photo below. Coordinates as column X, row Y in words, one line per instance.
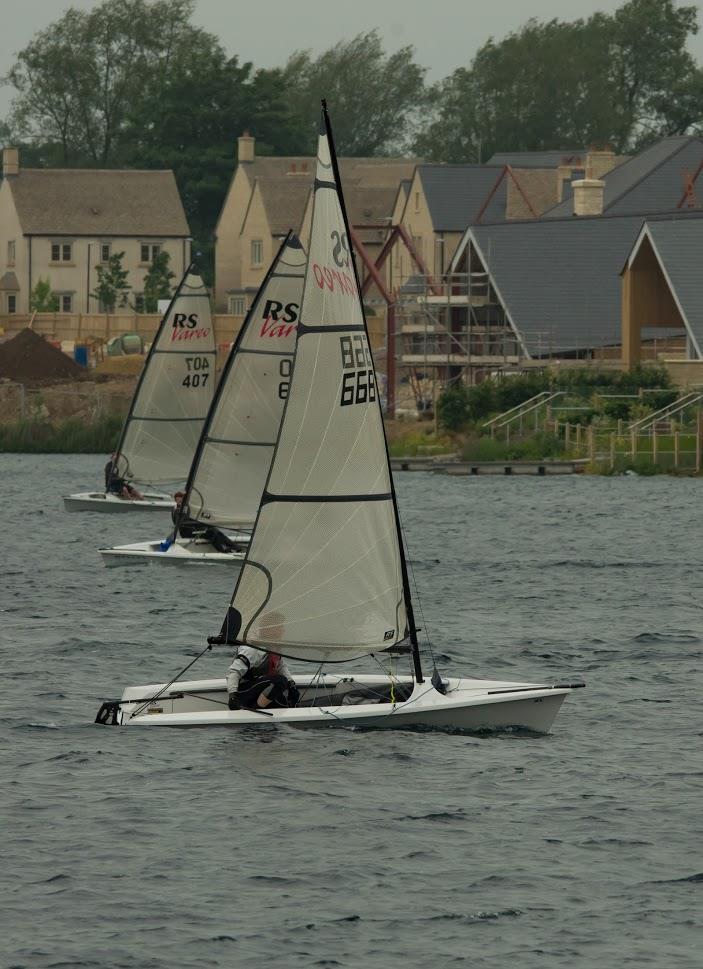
column 233, row 461
column 323, row 576
column 174, row 393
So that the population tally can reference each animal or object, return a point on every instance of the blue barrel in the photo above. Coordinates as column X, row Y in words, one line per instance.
column 80, row 355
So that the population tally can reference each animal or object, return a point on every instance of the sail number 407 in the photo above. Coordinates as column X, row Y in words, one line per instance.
column 358, row 384
column 198, row 372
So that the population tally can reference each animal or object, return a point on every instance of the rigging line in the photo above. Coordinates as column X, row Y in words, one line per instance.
column 409, row 562
column 170, row 683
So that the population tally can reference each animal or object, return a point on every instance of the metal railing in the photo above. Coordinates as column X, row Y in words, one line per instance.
column 520, row 411
column 665, row 413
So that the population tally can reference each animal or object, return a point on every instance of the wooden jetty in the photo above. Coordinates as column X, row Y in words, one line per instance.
column 468, row 468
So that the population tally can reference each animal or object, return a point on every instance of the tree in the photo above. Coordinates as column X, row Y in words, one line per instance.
column 608, row 79
column 374, row 97
column 157, row 282
column 112, row 288
column 42, row 298
column 77, row 79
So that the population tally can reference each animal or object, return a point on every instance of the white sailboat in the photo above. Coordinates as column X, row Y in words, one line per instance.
column 325, row 579
column 236, row 445
column 170, row 403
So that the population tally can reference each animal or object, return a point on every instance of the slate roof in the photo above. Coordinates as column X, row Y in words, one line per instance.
column 456, row 194
column 679, row 245
column 97, row 202
column 375, row 171
column 650, row 182
column 559, row 279
column 284, row 199
column 539, row 159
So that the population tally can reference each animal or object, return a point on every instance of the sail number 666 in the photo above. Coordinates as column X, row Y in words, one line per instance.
column 358, row 384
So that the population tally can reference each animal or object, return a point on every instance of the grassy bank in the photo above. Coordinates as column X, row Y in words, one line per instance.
column 71, row 436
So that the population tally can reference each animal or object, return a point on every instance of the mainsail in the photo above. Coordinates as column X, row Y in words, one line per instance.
column 324, row 577
column 234, row 454
column 174, row 391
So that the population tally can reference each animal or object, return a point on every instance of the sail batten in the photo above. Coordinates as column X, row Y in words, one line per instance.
column 230, row 466
column 174, row 392
column 323, row 578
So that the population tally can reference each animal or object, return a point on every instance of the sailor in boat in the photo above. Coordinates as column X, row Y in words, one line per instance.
column 190, row 528
column 117, row 485
column 257, row 678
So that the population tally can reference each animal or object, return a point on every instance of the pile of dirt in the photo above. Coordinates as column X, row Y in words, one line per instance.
column 29, row 359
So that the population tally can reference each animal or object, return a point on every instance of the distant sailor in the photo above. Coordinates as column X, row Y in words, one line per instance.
column 115, row 484
column 257, row 678
column 190, row 528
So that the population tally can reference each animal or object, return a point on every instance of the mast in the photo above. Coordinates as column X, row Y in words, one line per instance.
column 142, row 375
column 222, row 384
column 417, row 665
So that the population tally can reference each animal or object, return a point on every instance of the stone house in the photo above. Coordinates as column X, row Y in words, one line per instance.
column 269, row 195
column 60, row 224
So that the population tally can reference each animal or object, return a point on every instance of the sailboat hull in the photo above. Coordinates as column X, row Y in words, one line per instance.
column 351, row 701
column 100, row 501
column 181, row 552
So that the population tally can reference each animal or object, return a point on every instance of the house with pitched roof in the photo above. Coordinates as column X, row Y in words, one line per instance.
column 60, row 224
column 269, row 195
column 536, row 288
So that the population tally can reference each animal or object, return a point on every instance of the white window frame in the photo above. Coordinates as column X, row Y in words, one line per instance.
column 11, row 252
column 257, row 252
column 237, row 305
column 63, row 297
column 153, row 249
column 105, row 246
column 64, row 253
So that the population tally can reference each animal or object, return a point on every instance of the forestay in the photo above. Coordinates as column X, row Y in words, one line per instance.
column 234, row 455
column 323, row 576
column 174, row 392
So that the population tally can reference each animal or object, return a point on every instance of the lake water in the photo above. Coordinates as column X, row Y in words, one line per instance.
column 339, row 848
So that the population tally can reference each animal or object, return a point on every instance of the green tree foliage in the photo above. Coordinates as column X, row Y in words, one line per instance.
column 157, row 282
column 620, row 79
column 112, row 288
column 42, row 298
column 374, row 96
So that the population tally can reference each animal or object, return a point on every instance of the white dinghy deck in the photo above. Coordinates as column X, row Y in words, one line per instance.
column 350, row 700
column 107, row 502
column 182, row 552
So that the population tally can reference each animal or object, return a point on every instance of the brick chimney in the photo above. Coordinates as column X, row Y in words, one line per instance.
column 10, row 162
column 245, row 148
column 588, row 196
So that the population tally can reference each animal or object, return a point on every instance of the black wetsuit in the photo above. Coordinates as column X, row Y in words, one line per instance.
column 189, row 528
column 113, row 482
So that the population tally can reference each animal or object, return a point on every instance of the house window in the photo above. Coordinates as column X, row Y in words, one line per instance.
column 417, row 201
column 11, row 303
column 11, row 253
column 66, row 302
column 104, row 252
column 237, row 305
column 257, row 252
column 61, row 251
column 149, row 253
